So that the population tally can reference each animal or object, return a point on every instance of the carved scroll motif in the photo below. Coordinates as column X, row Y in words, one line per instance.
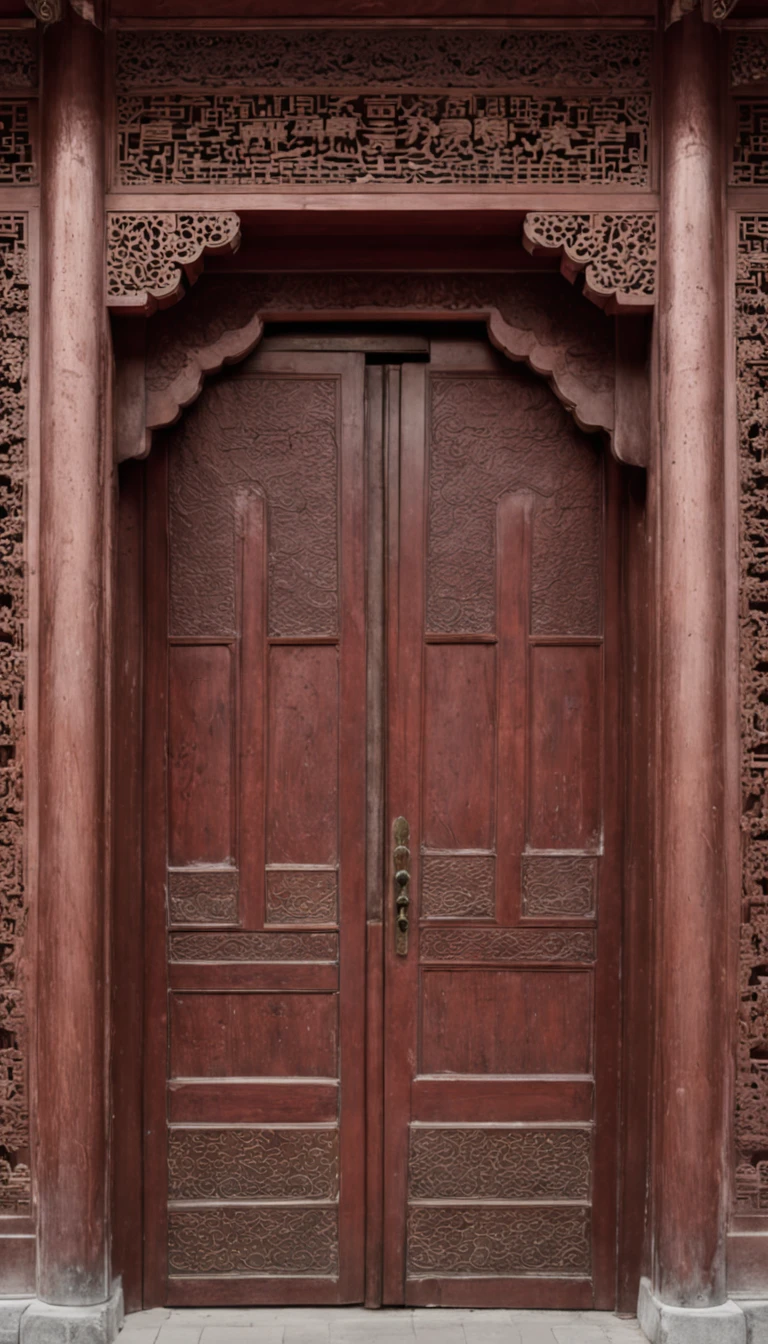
column 253, row 1163
column 416, row 58
column 751, row 1098
column 14, row 341
column 288, row 1240
column 509, row 945
column 149, row 253
column 558, row 884
column 456, row 886
column 240, row 946
column 203, row 896
column 453, row 1163
column 616, row 252
column 521, row 1239
column 302, row 896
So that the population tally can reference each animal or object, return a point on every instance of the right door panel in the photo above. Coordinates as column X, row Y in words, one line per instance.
column 501, row 1044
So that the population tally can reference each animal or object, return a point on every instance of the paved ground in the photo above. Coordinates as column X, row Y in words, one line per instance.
column 352, row 1325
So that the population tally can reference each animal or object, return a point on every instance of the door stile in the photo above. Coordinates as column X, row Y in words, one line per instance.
column 377, row 378
column 251, row 673
column 407, row 521
column 514, row 518
column 607, row 1011
column 352, row 829
column 155, row 824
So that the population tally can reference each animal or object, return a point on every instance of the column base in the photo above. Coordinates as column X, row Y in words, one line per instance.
column 662, row 1324
column 42, row 1323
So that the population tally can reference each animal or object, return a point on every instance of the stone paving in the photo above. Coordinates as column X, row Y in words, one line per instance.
column 353, row 1325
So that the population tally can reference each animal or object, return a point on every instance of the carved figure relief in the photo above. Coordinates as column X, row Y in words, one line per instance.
column 498, row 1163
column 751, row 1119
column 14, row 339
column 496, row 429
column 18, row 60
column 415, row 58
column 749, row 59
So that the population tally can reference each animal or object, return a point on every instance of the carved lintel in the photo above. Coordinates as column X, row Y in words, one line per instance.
column 616, row 252
column 149, row 253
column 52, row 11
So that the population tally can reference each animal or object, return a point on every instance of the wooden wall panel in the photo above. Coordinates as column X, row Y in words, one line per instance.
column 200, row 754
column 253, row 1035
column 467, row 1017
column 565, row 751
column 459, row 740
column 303, row 772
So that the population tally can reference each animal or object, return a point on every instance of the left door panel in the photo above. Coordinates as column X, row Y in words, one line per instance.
column 255, row 727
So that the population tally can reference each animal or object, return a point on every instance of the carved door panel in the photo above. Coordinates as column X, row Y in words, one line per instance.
column 501, row 1032
column 255, row 840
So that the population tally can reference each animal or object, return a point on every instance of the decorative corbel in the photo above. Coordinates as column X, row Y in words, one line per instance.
column 616, row 253
column 149, row 253
column 52, row 11
column 713, row 11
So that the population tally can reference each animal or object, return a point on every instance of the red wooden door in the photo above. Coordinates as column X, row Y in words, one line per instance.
column 501, row 1032
column 255, row 845
column 442, row 544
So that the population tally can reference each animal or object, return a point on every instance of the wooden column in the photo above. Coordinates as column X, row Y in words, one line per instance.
column 693, row 1052
column 71, row 1124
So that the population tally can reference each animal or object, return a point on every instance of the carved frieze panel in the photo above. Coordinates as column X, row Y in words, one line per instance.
column 305, row 138
column 148, row 252
column 617, row 253
column 242, row 946
column 495, row 427
column 450, row 1163
column 508, row 945
column 751, row 1119
column 425, row 58
column 14, row 340
column 515, row 1240
column 283, row 1240
column 456, row 886
column 253, row 1163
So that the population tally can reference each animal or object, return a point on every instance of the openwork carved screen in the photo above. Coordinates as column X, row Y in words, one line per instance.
column 751, row 1123
column 18, row 75
column 411, row 108
column 14, row 339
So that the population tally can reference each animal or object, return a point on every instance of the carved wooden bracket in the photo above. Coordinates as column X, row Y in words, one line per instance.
column 51, row 11
column 616, row 252
column 713, row 11
column 149, row 253
column 533, row 319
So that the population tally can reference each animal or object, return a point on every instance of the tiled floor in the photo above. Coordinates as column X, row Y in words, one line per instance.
column 353, row 1325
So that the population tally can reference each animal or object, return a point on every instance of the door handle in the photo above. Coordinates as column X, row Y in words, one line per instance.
column 401, row 857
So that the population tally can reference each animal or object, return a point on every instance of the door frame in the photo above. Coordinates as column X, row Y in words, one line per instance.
column 635, row 633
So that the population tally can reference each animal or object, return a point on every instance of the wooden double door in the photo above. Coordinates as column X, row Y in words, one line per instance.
column 380, row 664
